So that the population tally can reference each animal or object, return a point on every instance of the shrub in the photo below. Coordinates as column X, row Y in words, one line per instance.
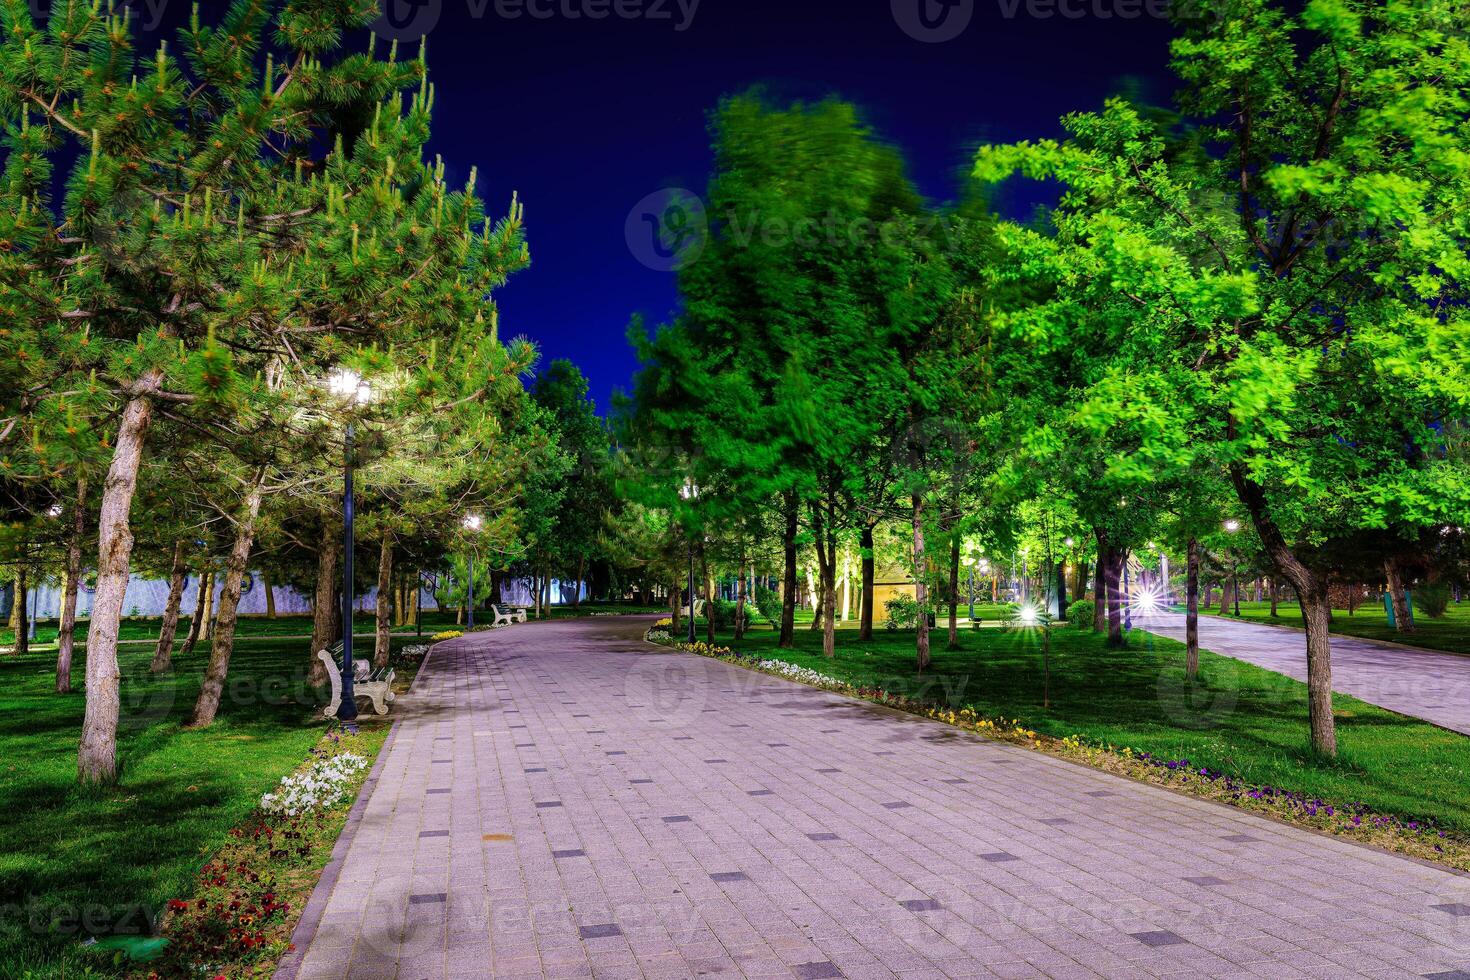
column 768, row 601
column 1432, row 600
column 1080, row 613
column 903, row 612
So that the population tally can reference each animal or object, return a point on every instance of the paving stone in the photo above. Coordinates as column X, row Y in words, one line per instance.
column 972, row 878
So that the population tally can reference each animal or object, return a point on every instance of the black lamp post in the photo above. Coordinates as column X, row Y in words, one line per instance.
column 690, row 492
column 348, row 385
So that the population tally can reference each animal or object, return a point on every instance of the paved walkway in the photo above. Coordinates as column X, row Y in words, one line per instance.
column 562, row 800
column 1424, row 684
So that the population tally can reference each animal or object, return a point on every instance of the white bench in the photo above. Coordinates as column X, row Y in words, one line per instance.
column 698, row 608
column 366, row 683
column 507, row 618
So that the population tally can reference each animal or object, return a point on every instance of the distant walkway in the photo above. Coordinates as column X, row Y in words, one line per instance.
column 1421, row 683
column 566, row 801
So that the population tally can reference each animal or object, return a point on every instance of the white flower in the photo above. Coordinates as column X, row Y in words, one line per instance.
column 321, row 785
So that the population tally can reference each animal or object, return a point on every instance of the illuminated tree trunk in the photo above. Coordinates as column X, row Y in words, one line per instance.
column 921, row 589
column 326, row 611
column 97, row 752
column 1191, row 614
column 1311, row 589
column 163, row 653
column 19, row 610
column 788, row 590
column 865, row 625
column 210, row 692
column 1398, row 595
column 954, row 592
column 66, row 638
column 201, row 610
column 270, row 595
column 384, row 639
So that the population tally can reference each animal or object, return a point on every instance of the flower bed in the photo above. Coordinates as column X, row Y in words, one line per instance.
column 1356, row 821
column 248, row 896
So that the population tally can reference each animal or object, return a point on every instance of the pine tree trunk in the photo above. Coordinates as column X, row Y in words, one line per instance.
column 865, row 626
column 210, row 692
column 384, row 640
column 788, row 590
column 674, row 612
column 1398, row 595
column 1100, row 600
column 270, row 595
column 954, row 592
column 201, row 610
column 206, row 622
column 826, row 605
column 326, row 608
column 1191, row 613
column 163, row 653
column 14, row 621
column 97, row 752
column 921, row 589
column 21, row 608
column 66, row 636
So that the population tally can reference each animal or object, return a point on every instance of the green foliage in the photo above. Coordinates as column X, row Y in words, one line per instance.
column 903, row 612
column 1080, row 613
column 1432, row 599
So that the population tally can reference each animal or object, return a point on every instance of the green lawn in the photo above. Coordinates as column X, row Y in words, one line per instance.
column 74, row 862
column 1450, row 632
column 1238, row 718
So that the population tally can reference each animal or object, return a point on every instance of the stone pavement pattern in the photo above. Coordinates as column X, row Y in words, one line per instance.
column 1426, row 684
column 563, row 800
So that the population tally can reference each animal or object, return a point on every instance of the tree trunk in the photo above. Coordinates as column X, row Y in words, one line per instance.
column 1398, row 595
column 163, row 653
column 97, row 753
column 954, row 592
column 740, row 608
column 196, row 618
column 788, row 590
column 709, row 597
column 826, row 609
column 384, row 640
column 921, row 589
column 270, row 595
column 1117, row 557
column 674, row 609
column 1191, row 613
column 205, row 615
column 1100, row 600
column 865, row 626
column 20, row 608
column 66, row 635
column 1316, row 610
column 207, row 705
column 1275, row 596
column 327, row 607
column 581, row 574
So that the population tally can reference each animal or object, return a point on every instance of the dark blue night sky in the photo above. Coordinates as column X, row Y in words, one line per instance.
column 584, row 118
